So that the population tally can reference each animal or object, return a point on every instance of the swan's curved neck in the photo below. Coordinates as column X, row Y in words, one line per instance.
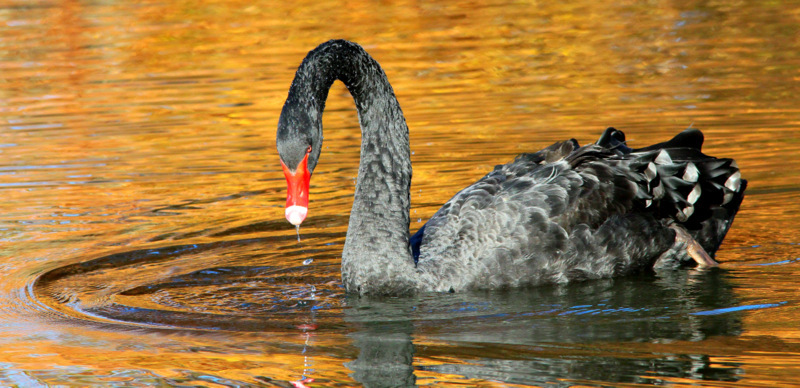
column 376, row 256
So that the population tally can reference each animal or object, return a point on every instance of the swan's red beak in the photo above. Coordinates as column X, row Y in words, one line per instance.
column 297, row 196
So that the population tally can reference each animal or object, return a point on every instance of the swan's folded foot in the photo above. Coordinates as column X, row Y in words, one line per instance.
column 693, row 248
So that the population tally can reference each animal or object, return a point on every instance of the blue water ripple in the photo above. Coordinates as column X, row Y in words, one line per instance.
column 739, row 308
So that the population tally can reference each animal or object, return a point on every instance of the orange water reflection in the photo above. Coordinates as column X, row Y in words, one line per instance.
column 137, row 126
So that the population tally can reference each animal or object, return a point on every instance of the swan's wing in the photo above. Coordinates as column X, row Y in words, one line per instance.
column 517, row 225
column 484, row 189
column 680, row 183
column 567, row 212
column 700, row 192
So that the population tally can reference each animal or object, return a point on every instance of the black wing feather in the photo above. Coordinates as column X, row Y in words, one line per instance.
column 569, row 213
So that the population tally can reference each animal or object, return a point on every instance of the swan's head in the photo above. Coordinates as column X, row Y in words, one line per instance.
column 299, row 142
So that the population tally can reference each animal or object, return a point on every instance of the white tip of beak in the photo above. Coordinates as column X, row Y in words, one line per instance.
column 296, row 214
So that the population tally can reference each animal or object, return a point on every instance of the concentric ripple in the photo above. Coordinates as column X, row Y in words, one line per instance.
column 170, row 287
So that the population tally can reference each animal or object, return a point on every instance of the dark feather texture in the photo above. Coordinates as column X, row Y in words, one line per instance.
column 569, row 213
column 561, row 214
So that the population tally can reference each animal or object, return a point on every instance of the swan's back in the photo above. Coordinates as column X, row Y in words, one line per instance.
column 571, row 213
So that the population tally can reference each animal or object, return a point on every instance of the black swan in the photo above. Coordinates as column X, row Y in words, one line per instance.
column 564, row 213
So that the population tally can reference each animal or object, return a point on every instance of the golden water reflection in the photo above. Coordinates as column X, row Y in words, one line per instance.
column 136, row 143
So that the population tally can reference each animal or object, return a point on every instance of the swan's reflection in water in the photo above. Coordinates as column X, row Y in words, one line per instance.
column 386, row 354
column 611, row 331
column 630, row 330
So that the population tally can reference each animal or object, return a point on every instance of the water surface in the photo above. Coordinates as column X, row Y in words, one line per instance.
column 142, row 238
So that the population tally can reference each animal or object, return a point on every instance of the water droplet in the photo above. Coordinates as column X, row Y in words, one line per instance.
column 297, row 228
column 419, row 220
column 308, row 261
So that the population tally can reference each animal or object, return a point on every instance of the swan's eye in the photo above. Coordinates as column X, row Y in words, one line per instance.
column 308, row 150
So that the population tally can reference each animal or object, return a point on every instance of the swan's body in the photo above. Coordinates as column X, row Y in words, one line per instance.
column 563, row 213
